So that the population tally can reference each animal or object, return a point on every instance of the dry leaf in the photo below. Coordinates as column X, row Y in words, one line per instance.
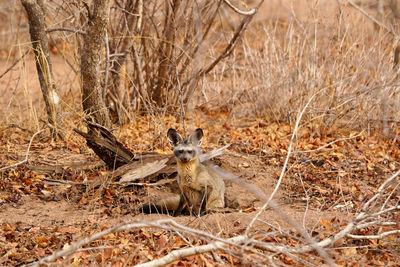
column 349, row 251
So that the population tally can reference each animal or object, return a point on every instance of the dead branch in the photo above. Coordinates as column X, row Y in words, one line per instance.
column 145, row 170
column 353, row 225
column 106, row 146
column 142, row 85
column 167, row 224
column 328, row 144
column 13, row 125
column 61, row 182
column 140, row 16
column 380, row 236
column 26, row 155
column 374, row 20
column 242, row 241
column 301, row 230
column 87, row 240
column 156, row 184
column 107, row 59
column 227, row 51
column 15, row 63
column 286, row 161
column 181, row 253
column 357, row 223
column 64, row 29
column 241, row 12
column 379, row 193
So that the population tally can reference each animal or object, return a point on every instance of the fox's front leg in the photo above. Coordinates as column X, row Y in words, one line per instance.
column 202, row 207
column 182, row 201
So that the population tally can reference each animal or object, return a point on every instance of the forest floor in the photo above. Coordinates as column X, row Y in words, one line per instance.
column 322, row 191
column 46, row 206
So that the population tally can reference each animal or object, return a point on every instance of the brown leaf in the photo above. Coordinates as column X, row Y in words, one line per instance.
column 84, row 201
column 349, row 252
column 325, row 223
column 162, row 242
column 47, row 149
column 70, row 230
column 42, row 241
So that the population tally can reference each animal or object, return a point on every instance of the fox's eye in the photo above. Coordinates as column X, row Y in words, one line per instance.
column 180, row 151
column 190, row 151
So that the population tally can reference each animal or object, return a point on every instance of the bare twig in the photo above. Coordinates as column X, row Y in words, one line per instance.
column 76, row 245
column 241, row 12
column 380, row 24
column 15, row 63
column 107, row 59
column 352, row 225
column 313, row 244
column 285, row 164
column 331, row 143
column 380, row 236
column 227, row 51
column 183, row 112
column 181, row 253
column 142, row 85
column 13, row 125
column 61, row 182
column 26, row 156
column 367, row 205
column 64, row 29
column 159, row 183
column 242, row 241
column 140, row 16
column 162, row 224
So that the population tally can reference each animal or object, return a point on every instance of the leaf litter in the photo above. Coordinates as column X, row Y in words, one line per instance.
column 331, row 184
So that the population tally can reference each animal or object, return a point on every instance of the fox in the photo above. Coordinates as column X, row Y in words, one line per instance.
column 201, row 189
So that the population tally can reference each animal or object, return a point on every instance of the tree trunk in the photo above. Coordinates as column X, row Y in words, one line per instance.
column 116, row 99
column 166, row 51
column 92, row 100
column 40, row 45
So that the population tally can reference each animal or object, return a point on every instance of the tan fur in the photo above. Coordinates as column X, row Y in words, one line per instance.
column 200, row 186
column 170, row 203
column 197, row 181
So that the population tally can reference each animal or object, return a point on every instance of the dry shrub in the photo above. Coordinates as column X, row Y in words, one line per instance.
column 155, row 52
column 292, row 51
column 334, row 54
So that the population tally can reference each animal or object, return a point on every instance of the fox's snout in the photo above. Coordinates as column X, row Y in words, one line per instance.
column 185, row 159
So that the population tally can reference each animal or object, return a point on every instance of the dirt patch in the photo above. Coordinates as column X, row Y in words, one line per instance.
column 32, row 210
column 38, row 211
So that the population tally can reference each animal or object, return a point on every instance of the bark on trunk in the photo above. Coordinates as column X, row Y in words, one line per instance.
column 117, row 100
column 92, row 100
column 40, row 45
column 166, row 50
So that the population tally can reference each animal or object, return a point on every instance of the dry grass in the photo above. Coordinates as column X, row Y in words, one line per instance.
column 288, row 54
column 283, row 62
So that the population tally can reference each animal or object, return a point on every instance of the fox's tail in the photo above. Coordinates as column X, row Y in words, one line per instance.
column 161, row 206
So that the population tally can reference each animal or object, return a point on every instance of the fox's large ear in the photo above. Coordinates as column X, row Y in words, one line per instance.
column 196, row 137
column 174, row 137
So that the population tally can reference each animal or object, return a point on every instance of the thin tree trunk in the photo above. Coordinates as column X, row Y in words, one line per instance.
column 40, row 45
column 116, row 100
column 166, row 50
column 92, row 100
